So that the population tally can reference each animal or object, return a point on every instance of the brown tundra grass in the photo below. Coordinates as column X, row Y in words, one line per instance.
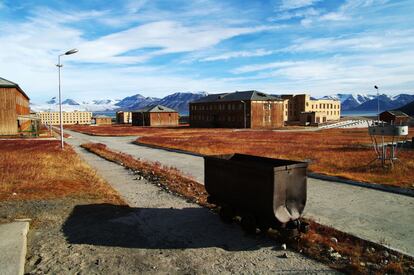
column 314, row 244
column 39, row 169
column 336, row 152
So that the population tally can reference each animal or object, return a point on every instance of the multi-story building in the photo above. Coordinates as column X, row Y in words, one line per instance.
column 123, row 117
column 247, row 109
column 310, row 111
column 75, row 117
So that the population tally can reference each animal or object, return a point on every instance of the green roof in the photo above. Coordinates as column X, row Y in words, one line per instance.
column 4, row 83
column 237, row 96
column 156, row 109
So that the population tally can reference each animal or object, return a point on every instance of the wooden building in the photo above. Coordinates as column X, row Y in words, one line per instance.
column 395, row 117
column 247, row 109
column 102, row 120
column 155, row 115
column 14, row 109
column 123, row 117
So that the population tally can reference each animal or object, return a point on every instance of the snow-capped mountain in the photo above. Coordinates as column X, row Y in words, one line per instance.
column 70, row 102
column 368, row 102
column 177, row 101
column 136, row 102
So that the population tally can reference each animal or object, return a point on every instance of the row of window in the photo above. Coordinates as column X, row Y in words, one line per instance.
column 323, row 106
column 219, row 118
column 228, row 106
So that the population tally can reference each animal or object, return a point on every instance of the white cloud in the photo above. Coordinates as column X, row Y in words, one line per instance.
column 237, row 54
column 390, row 40
column 164, row 36
column 261, row 67
column 296, row 4
column 286, row 15
column 356, row 73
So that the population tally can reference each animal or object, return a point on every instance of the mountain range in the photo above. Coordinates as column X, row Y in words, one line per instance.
column 179, row 101
column 369, row 102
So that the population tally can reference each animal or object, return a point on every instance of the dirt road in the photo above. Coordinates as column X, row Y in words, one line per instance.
column 370, row 214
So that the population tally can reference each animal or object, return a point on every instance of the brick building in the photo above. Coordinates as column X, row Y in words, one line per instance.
column 247, row 109
column 310, row 111
column 155, row 115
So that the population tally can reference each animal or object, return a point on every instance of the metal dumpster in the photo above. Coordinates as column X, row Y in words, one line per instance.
column 264, row 192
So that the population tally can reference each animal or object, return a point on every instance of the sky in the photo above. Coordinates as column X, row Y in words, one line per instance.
column 155, row 48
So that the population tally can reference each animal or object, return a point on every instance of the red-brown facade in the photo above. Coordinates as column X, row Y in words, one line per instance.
column 237, row 113
column 13, row 103
column 154, row 118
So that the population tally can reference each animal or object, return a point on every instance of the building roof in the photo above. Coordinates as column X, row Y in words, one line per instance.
column 101, row 116
column 4, row 83
column 156, row 109
column 396, row 113
column 237, row 96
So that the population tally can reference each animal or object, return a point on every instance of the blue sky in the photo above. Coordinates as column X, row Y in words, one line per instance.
column 159, row 47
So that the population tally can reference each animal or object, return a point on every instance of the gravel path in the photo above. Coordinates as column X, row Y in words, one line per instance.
column 171, row 235
column 378, row 216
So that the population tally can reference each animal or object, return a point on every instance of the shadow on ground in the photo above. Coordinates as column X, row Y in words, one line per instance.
column 155, row 228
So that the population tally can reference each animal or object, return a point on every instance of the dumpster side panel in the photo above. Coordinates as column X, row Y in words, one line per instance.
column 289, row 198
column 239, row 185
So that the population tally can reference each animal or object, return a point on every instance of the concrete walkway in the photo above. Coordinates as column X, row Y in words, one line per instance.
column 13, row 247
column 374, row 215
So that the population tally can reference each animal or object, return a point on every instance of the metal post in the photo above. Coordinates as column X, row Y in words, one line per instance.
column 244, row 113
column 378, row 108
column 60, row 104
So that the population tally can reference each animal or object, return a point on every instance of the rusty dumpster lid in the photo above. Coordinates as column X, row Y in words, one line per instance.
column 276, row 164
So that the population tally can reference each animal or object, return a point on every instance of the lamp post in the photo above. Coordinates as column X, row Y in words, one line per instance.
column 244, row 112
column 378, row 110
column 50, row 113
column 60, row 94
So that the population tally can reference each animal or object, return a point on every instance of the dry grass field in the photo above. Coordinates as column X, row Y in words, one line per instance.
column 337, row 152
column 31, row 170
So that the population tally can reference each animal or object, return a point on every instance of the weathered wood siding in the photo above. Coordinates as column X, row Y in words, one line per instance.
column 12, row 104
column 267, row 114
column 155, row 119
column 163, row 119
column 103, row 121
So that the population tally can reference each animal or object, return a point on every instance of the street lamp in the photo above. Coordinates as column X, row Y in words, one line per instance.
column 244, row 113
column 378, row 109
column 60, row 94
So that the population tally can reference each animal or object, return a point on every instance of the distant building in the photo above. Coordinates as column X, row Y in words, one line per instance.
column 395, row 117
column 123, row 117
column 313, row 111
column 155, row 115
column 15, row 115
column 69, row 118
column 247, row 109
column 102, row 120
